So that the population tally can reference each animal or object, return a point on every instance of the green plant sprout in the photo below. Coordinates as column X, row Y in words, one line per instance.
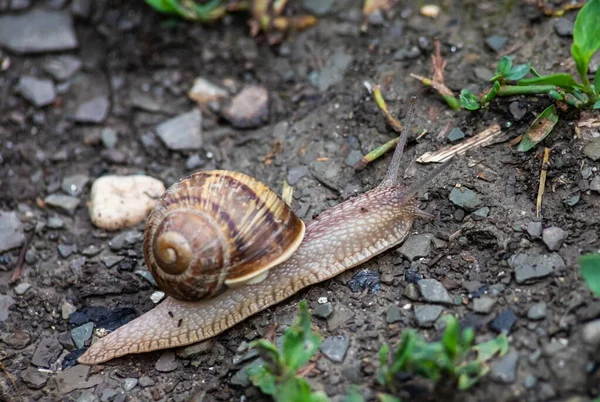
column 590, row 271
column 563, row 88
column 449, row 360
column 279, row 377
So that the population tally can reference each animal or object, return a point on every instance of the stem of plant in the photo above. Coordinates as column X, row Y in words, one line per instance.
column 511, row 90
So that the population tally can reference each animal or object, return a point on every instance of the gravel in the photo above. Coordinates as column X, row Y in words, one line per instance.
column 538, row 311
column 530, row 266
column 466, row 198
column 553, row 237
column 183, row 132
column 40, row 92
column 416, row 246
column 504, row 321
column 434, row 292
column 11, row 231
column 335, row 347
column 426, row 315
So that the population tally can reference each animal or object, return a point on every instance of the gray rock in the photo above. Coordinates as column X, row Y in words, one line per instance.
column 394, row 314
column 481, row 213
column 353, row 157
column 194, row 161
column 195, row 350
column 483, row 74
column 592, row 150
column 167, row 362
column 407, row 53
column 182, row 132
column 531, row 266
column 595, row 184
column 537, row 311
column 110, row 261
column 335, row 347
column 5, row 303
column 146, row 275
column 434, row 292
column 146, row 381
column 456, row 134
column 109, row 137
column 40, row 92
column 240, row 378
column 411, row 292
column 249, row 108
column 34, row 378
column 11, row 231
column 76, row 378
column 416, row 246
column 65, row 250
column 334, row 70
column 94, row 110
column 55, row 222
column 129, row 384
column 107, row 395
column 82, row 333
column 465, row 198
column 340, row 315
column 319, row 8
column 504, row 369
column 591, row 333
column 296, row 173
column 483, row 304
column 517, row 110
column 496, row 43
column 21, row 288
column 91, row 250
column 564, row 27
column 46, row 352
column 62, row 67
column 426, row 315
column 64, row 202
column 553, row 237
column 323, row 310
column 504, row 321
column 38, row 31
column 74, row 185
column 81, row 8
column 534, row 229
column 67, row 309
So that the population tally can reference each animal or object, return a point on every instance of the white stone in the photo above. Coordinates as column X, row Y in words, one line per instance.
column 118, row 202
column 204, row 91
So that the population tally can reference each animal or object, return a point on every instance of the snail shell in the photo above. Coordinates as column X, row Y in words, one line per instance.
column 218, row 229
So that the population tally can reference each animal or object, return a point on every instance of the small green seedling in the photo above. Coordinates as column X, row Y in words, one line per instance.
column 449, row 360
column 590, row 271
column 563, row 88
column 278, row 376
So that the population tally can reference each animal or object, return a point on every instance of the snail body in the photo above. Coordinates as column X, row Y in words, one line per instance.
column 340, row 238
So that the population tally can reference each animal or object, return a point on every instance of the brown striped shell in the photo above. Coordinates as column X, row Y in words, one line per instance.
column 217, row 229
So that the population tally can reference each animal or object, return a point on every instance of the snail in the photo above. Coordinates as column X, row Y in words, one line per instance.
column 271, row 253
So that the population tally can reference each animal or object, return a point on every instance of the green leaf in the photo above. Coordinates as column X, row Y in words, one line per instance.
column 260, row 376
column 469, row 100
column 535, row 73
column 518, row 72
column 299, row 342
column 162, row 6
column 269, row 352
column 487, row 350
column 563, row 80
column 590, row 271
column 387, row 398
column 539, row 129
column 596, row 105
column 491, row 94
column 580, row 97
column 504, row 66
column 451, row 336
column 383, row 374
column 404, row 352
column 597, row 82
column 586, row 36
column 296, row 389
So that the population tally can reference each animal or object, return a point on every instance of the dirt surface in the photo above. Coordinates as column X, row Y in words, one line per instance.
column 320, row 117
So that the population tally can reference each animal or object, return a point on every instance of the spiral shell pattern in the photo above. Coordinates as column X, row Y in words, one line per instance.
column 216, row 229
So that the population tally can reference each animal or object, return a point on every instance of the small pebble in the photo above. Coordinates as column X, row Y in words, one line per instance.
column 147, row 276
column 63, row 202
column 323, row 310
column 249, row 108
column 483, row 304
column 157, row 297
column 296, row 173
column 335, row 347
column 82, row 333
column 496, row 42
column 193, row 162
column 530, row 266
column 504, row 369
column 481, row 213
column 591, row 333
column 65, row 250
column 434, row 292
column 517, row 110
column 21, row 288
column 564, row 27
column 595, row 184
column 553, row 237
column 203, row 91
column 534, row 229
column 55, row 222
column 504, row 321
column 129, row 384
column 416, row 246
column 411, row 292
column 537, row 311
column 146, row 381
column 94, row 110
column 109, row 137
column 426, row 315
column 183, row 132
column 465, row 198
column 167, row 362
column 592, row 150
column 122, row 201
column 40, row 92
column 394, row 314
column 67, row 309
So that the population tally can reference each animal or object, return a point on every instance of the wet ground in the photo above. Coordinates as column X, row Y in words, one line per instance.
column 84, row 100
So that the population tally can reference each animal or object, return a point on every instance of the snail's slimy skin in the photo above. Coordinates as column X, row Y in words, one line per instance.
column 342, row 237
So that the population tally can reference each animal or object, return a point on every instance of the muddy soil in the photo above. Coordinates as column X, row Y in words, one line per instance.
column 321, row 120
